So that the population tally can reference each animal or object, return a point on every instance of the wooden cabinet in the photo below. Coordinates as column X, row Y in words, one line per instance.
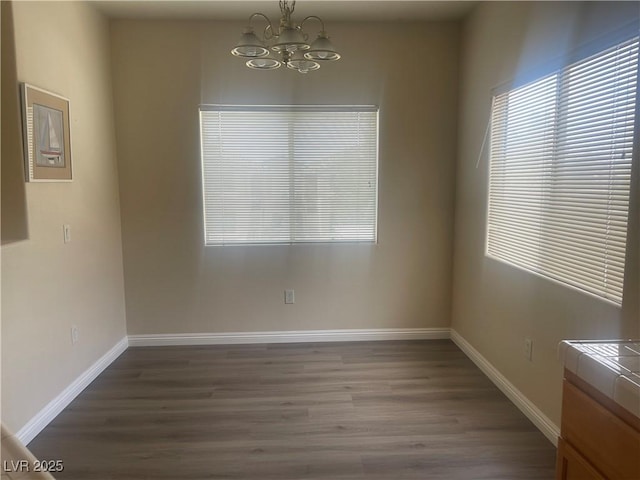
column 599, row 440
column 573, row 466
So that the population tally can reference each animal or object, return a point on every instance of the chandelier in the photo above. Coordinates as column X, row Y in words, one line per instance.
column 288, row 45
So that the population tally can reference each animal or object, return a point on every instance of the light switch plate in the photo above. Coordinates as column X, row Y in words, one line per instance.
column 528, row 348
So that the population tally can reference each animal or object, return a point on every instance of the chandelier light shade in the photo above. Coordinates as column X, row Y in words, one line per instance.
column 250, row 45
column 290, row 39
column 264, row 63
column 322, row 49
column 287, row 45
column 302, row 65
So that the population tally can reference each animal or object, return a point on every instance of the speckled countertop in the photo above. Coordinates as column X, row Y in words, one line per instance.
column 612, row 367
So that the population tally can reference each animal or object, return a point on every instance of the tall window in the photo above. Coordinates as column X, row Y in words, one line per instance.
column 561, row 154
column 289, row 174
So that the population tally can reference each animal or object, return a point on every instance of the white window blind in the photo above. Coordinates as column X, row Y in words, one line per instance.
column 289, row 174
column 561, row 154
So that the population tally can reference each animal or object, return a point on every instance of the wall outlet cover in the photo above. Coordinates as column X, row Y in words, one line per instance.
column 289, row 297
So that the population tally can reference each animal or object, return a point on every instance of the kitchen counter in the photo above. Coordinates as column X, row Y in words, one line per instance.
column 600, row 424
column 611, row 367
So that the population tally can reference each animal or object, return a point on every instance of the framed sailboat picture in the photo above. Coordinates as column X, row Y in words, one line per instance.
column 46, row 134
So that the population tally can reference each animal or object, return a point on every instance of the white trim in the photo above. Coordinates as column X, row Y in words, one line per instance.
column 216, row 107
column 53, row 408
column 34, row 426
column 533, row 413
column 288, row 336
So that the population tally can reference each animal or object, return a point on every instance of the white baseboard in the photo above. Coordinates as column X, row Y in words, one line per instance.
column 533, row 413
column 288, row 336
column 55, row 406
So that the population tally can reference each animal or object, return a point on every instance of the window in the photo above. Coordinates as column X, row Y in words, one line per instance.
column 289, row 174
column 561, row 154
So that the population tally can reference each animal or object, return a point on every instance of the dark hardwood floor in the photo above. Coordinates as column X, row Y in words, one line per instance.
column 365, row 410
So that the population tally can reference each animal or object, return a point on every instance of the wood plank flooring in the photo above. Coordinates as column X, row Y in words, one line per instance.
column 330, row 411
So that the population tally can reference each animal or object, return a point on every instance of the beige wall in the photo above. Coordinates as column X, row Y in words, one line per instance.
column 496, row 306
column 48, row 286
column 14, row 203
column 164, row 70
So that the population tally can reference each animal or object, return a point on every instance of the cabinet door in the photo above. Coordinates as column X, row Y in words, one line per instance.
column 600, row 436
column 573, row 466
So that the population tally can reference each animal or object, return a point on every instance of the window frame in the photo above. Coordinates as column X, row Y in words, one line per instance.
column 292, row 210
column 629, row 38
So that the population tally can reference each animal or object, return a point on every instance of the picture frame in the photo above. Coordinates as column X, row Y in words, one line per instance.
column 46, row 135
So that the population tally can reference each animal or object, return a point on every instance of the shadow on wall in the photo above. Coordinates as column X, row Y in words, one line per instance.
column 14, row 202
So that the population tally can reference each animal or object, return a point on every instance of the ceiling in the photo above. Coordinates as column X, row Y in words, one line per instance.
column 331, row 10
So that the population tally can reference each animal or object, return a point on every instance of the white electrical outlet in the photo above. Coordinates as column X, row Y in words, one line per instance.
column 528, row 348
column 289, row 297
column 75, row 334
column 66, row 229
